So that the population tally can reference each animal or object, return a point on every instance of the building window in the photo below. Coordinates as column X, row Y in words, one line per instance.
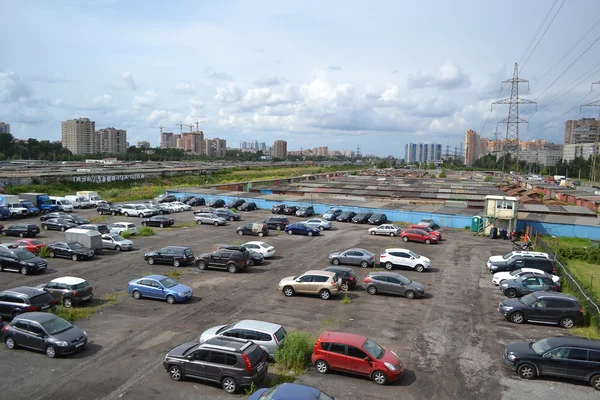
column 504, row 205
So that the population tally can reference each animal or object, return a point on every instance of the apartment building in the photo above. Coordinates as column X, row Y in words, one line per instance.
column 4, row 127
column 111, row 141
column 78, row 136
column 280, row 149
column 584, row 130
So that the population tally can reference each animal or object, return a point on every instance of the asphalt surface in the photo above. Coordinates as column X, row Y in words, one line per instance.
column 451, row 342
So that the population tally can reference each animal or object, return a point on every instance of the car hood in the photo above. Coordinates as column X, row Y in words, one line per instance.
column 152, row 253
column 71, row 334
column 125, row 242
column 496, row 259
column 417, row 286
column 391, row 357
column 35, row 260
column 287, row 279
column 210, row 333
column 179, row 350
column 424, row 259
column 522, row 348
column 511, row 303
column 502, row 275
column 500, row 263
column 83, row 250
column 334, row 255
column 180, row 288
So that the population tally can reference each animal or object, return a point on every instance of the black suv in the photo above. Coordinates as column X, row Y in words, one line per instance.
column 349, row 277
column 564, row 356
column 227, row 214
column 235, row 203
column 544, row 307
column 108, row 209
column 305, row 211
column 362, row 218
column 24, row 299
column 290, row 210
column 231, row 258
column 22, row 261
column 165, row 198
column 525, row 261
column 346, row 216
column 277, row 223
column 174, row 255
column 278, row 209
column 193, row 200
column 216, row 203
column 378, row 219
column 22, row 230
column 233, row 363
column 247, row 206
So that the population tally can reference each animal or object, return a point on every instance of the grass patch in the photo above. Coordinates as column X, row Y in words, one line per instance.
column 148, row 273
column 125, row 234
column 146, row 231
column 295, row 353
column 253, row 388
column 43, row 252
column 185, row 224
column 76, row 313
column 570, row 242
column 346, row 299
column 99, row 219
column 588, row 275
column 173, row 274
column 236, row 243
column 589, row 332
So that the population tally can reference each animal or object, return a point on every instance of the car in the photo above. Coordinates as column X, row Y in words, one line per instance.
column 353, row 256
column 362, row 218
column 136, row 210
column 44, row 332
column 247, row 206
column 257, row 229
column 543, row 307
column 500, row 277
column 346, row 216
column 319, row 223
column 159, row 287
column 193, row 200
column 77, row 219
column 209, row 218
column 54, row 215
column 182, row 206
column 392, row 283
column 233, row 363
column 58, row 224
column 4, row 213
column 277, row 223
column 22, row 230
column 231, row 258
column 332, row 213
column 563, row 356
column 32, row 245
column 216, row 203
column 227, row 214
column 235, row 203
column 395, row 257
column 9, row 246
column 165, row 198
column 108, row 209
column 170, row 208
column 73, row 250
column 269, row 336
column 386, row 229
column 525, row 285
column 428, row 222
column 160, row 208
column 121, row 227
column 427, row 229
column 173, row 255
column 300, row 228
column 23, row 299
column 114, row 241
column 322, row 283
column 514, row 254
column 100, row 228
column 286, row 391
column 519, row 261
column 355, row 354
column 20, row 260
column 305, row 211
column 378, row 219
column 256, row 258
column 290, row 210
column 418, row 235
column 348, row 276
column 209, row 210
column 69, row 291
column 278, row 208
column 158, row 221
column 263, row 248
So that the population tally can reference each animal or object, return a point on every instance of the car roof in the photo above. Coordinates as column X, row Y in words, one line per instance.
column 318, row 272
column 574, row 341
column 40, row 317
column 397, row 249
column 554, row 295
column 295, row 391
column 227, row 343
column 385, row 273
column 260, row 325
column 68, row 280
column 24, row 291
column 258, row 243
column 343, row 337
column 359, row 249
column 155, row 277
column 176, row 247
column 334, row 268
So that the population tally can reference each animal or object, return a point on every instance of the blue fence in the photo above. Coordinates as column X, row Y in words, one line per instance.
column 544, row 228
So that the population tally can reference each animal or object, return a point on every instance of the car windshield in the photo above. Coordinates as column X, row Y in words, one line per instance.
column 225, row 328
column 25, row 255
column 373, row 349
column 507, row 256
column 75, row 245
column 66, row 202
column 117, row 238
column 63, row 221
column 516, row 272
column 140, row 207
column 404, row 280
column 56, row 325
column 168, row 282
column 36, row 242
column 415, row 255
column 541, row 346
column 528, row 299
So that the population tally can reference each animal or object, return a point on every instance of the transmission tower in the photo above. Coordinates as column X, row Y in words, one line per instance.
column 513, row 121
column 496, row 133
column 358, row 150
column 447, row 150
column 595, row 148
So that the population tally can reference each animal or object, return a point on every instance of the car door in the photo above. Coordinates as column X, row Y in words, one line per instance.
column 337, row 356
column 382, row 284
column 355, row 258
column 579, row 365
column 196, row 364
column 145, row 287
column 402, row 259
column 395, row 286
column 156, row 289
column 37, row 336
column 530, row 285
column 355, row 361
column 555, row 362
column 61, row 249
column 164, row 256
column 219, row 259
column 540, row 310
column 215, row 364
column 303, row 284
column 22, row 336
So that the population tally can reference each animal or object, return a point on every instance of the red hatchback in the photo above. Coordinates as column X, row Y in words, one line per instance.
column 418, row 235
column 358, row 355
column 427, row 229
column 32, row 245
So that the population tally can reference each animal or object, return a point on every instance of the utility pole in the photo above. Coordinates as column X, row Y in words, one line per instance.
column 161, row 129
column 593, row 174
column 358, row 150
column 513, row 120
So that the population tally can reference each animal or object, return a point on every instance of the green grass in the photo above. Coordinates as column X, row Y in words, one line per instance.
column 570, row 242
column 184, row 225
column 295, row 353
column 145, row 231
column 148, row 273
column 346, row 299
column 43, row 252
column 173, row 274
column 588, row 275
column 76, row 313
column 125, row 234
column 589, row 332
column 99, row 219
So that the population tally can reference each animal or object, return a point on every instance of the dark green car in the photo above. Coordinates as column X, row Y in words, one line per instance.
column 522, row 286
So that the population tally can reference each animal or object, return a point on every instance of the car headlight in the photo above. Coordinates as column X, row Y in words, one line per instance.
column 390, row 366
column 506, row 308
column 504, row 285
column 30, row 264
column 181, row 294
column 511, row 357
column 62, row 343
column 494, row 267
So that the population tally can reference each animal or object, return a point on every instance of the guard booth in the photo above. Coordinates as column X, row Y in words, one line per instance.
column 500, row 212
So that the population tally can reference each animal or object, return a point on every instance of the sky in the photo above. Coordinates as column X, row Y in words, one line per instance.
column 375, row 74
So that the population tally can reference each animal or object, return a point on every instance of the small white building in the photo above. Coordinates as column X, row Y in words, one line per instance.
column 501, row 212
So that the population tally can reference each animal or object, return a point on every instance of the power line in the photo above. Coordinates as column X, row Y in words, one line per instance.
column 576, row 84
column 538, row 31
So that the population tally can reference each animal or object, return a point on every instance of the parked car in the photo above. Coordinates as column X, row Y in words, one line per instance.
column 353, row 256
column 277, row 223
column 278, row 209
column 418, row 235
column 263, row 248
column 522, row 286
column 319, row 223
column 158, row 220
column 346, row 274
column 257, row 229
column 378, row 219
column 173, row 255
column 209, row 218
column 100, row 228
column 332, row 213
column 22, row 230
column 24, row 299
column 227, row 214
column 305, row 211
column 108, row 209
column 322, row 283
column 256, row 258
column 562, row 356
column 514, row 255
column 73, row 250
column 57, row 224
column 290, row 210
column 392, row 283
column 427, row 229
column 429, row 222
column 231, row 258
column 290, row 391
column 69, row 291
column 54, row 215
column 44, row 332
column 161, row 208
column 77, row 219
column 345, row 216
column 362, row 218
column 543, row 307
column 247, row 206
column 137, row 210
column 181, row 205
column 159, row 287
column 193, row 200
column 114, row 241
column 500, row 277
column 216, row 203
column 524, row 261
column 391, row 258
column 121, row 227
column 300, row 228
column 268, row 336
column 235, row 203
column 386, row 229
column 32, row 245
column 20, row 260
column 359, row 355
column 233, row 363
column 165, row 198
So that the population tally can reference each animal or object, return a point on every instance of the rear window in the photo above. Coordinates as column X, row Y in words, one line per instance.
column 41, row 299
column 79, row 286
column 188, row 252
column 130, row 226
column 255, row 354
column 280, row 334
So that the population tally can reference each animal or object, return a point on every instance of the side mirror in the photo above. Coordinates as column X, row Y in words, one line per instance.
column 412, row 258
column 298, row 280
column 367, row 359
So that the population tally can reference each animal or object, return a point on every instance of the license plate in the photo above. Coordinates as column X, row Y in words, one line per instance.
column 261, row 366
column 79, row 344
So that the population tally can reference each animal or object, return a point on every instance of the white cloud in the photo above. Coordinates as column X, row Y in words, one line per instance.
column 104, row 101
column 196, row 103
column 220, row 76
column 230, row 94
column 147, row 100
column 449, row 76
column 334, row 68
column 128, row 78
column 13, row 87
column 185, row 88
column 269, row 80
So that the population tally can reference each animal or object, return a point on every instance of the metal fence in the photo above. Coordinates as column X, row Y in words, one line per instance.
column 572, row 284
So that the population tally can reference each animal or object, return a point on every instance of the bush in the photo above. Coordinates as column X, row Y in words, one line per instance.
column 146, row 231
column 295, row 353
column 488, row 178
column 125, row 234
column 43, row 252
column 72, row 314
column 174, row 274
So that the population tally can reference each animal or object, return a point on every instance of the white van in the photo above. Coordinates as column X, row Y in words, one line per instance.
column 79, row 201
column 62, row 203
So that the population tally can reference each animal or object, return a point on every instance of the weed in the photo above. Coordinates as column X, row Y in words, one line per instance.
column 99, row 219
column 236, row 242
column 346, row 299
column 148, row 273
column 43, row 252
column 185, row 224
column 467, row 227
column 125, row 234
column 294, row 354
column 174, row 274
column 146, row 231
column 112, row 298
column 72, row 314
column 278, row 379
column 251, row 389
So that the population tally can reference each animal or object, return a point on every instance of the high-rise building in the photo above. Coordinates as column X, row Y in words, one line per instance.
column 584, row 130
column 111, row 141
column 216, row 148
column 410, row 153
column 192, row 142
column 78, row 135
column 263, row 146
column 472, row 147
column 422, row 152
column 280, row 149
column 143, row 143
column 572, row 151
column 4, row 127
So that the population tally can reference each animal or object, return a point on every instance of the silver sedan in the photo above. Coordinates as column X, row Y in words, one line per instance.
column 319, row 223
column 386, row 229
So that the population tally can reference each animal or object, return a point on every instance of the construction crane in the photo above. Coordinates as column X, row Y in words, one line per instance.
column 197, row 123
column 191, row 127
column 161, row 128
column 180, row 128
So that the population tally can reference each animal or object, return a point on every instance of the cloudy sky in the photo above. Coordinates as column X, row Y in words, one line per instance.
column 315, row 73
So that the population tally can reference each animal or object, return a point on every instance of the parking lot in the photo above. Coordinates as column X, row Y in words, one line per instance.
column 451, row 341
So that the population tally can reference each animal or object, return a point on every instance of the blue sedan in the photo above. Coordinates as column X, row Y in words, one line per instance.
column 287, row 391
column 300, row 228
column 159, row 287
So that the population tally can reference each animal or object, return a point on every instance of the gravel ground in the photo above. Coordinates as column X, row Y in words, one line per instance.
column 450, row 342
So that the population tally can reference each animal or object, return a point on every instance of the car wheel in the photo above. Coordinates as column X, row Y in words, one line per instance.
column 232, row 268
column 1, row 268
column 310, row 233
column 230, row 218
column 16, row 313
column 74, row 257
column 150, row 260
column 278, row 227
column 595, row 381
column 51, row 254
column 288, row 291
column 405, row 238
column 240, row 233
column 170, row 299
column 364, row 264
column 567, row 322
column 373, row 233
column 325, row 294
column 512, row 293
column 45, row 227
column 526, row 371
column 501, row 282
column 114, row 213
column 427, row 241
column 144, row 224
column 216, row 223
column 229, row 385
column 409, row 294
column 21, row 235
column 50, row 351
column 345, row 286
column 335, row 261
column 62, row 228
column 201, row 265
column 175, row 373
column 322, row 366
column 162, row 225
column 379, row 377
column 290, row 232
column 392, row 234
column 67, row 302
column 10, row 343
column 136, row 295
column 321, row 228
column 372, row 290
column 118, row 248
column 389, row 265
column 517, row 317
column 260, row 234
column 419, row 268
column 100, row 212
column 126, row 214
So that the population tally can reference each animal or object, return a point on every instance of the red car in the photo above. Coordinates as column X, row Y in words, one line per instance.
column 358, row 355
column 418, row 235
column 427, row 229
column 32, row 245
